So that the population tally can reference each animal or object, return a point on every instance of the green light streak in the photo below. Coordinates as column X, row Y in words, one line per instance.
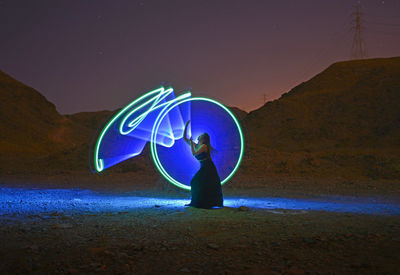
column 99, row 163
column 161, row 94
column 135, row 122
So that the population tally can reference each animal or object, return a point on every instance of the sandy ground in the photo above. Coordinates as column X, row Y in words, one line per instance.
column 69, row 226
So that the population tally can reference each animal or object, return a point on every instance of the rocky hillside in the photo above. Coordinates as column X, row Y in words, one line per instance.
column 345, row 120
column 350, row 104
column 33, row 133
column 239, row 113
column 27, row 119
column 31, row 124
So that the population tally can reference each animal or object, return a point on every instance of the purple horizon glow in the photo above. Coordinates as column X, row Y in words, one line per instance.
column 95, row 55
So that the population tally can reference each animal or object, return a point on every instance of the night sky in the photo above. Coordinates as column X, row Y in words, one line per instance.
column 95, row 55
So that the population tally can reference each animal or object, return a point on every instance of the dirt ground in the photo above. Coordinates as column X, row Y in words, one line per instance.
column 87, row 228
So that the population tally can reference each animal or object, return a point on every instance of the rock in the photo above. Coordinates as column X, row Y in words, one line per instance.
column 213, row 246
column 35, row 266
column 296, row 270
column 63, row 225
column 95, row 265
column 178, row 213
column 33, row 247
column 110, row 253
column 360, row 265
column 72, row 271
column 123, row 255
column 185, row 269
column 366, row 265
column 307, row 240
column 97, row 249
column 243, row 208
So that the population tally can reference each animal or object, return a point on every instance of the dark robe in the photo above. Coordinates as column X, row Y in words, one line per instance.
column 206, row 188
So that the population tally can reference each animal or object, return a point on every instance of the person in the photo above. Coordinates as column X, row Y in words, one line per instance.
column 206, row 191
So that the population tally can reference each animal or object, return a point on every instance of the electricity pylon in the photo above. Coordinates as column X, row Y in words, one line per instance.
column 358, row 48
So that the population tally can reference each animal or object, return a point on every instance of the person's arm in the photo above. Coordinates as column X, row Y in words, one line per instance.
column 185, row 133
column 201, row 149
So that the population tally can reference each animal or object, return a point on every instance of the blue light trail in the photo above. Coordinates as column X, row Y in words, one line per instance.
column 28, row 201
column 159, row 117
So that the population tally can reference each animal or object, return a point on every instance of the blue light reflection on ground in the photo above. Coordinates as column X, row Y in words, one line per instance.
column 27, row 201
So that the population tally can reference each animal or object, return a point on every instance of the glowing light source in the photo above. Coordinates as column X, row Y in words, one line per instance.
column 159, row 117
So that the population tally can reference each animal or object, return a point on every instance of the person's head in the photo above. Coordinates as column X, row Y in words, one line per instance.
column 204, row 139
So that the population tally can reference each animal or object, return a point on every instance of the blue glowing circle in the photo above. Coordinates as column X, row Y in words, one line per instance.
column 178, row 165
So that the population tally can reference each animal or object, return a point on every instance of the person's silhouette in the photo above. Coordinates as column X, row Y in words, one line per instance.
column 206, row 191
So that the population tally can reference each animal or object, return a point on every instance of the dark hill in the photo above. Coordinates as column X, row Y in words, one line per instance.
column 31, row 124
column 239, row 113
column 32, row 130
column 27, row 119
column 344, row 122
column 350, row 104
column 91, row 120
